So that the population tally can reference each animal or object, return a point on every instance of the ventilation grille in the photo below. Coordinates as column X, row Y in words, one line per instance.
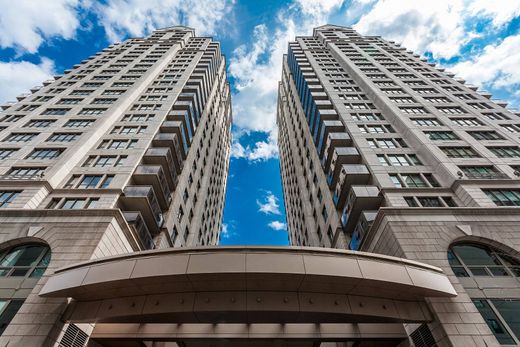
column 422, row 337
column 73, row 337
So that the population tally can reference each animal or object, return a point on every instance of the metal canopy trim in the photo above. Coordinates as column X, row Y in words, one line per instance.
column 253, row 284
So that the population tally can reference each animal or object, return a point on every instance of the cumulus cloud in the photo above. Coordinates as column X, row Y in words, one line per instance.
column 24, row 24
column 435, row 26
column 277, row 225
column 260, row 151
column 269, row 205
column 501, row 12
column 18, row 77
column 138, row 17
column 497, row 66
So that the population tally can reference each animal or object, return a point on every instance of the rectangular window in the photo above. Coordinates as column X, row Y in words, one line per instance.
column 92, row 111
column 45, row 153
column 39, row 123
column 466, row 121
column 505, row 152
column 90, row 181
column 27, row 172
column 426, row 122
column 441, row 135
column 20, row 137
column 485, row 135
column 69, row 101
column 398, row 160
column 6, row 152
column 460, row 152
column 481, row 172
column 63, row 137
column 6, row 197
column 504, row 197
column 103, row 101
column 79, row 123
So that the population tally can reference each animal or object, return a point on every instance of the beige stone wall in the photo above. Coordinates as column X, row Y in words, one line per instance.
column 73, row 236
column 426, row 236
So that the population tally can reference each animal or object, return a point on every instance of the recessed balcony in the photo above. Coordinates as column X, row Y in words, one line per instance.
column 360, row 198
column 334, row 139
column 138, row 226
column 153, row 175
column 350, row 174
column 143, row 199
column 162, row 156
column 328, row 127
column 364, row 223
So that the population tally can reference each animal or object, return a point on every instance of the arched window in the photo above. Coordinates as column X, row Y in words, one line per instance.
column 470, row 259
column 28, row 260
column 476, row 260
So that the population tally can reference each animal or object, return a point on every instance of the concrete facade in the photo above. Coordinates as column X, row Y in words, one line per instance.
column 127, row 151
column 383, row 152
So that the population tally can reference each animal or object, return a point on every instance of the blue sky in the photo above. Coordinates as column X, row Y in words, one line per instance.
column 478, row 40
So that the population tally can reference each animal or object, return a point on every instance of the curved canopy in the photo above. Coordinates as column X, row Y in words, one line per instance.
column 249, row 284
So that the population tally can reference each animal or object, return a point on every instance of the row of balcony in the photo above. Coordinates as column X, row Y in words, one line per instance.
column 356, row 200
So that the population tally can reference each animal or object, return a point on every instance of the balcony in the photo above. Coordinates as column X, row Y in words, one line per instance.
column 143, row 199
column 340, row 156
column 23, row 96
column 171, row 141
column 177, row 128
column 324, row 112
column 153, row 175
column 360, row 198
column 185, row 120
column 162, row 156
column 334, row 140
column 138, row 226
column 350, row 174
column 328, row 127
column 363, row 225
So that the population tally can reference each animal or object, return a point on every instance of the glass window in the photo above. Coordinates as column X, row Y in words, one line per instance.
column 504, row 197
column 6, row 197
column 90, row 181
column 480, row 260
column 8, row 309
column 26, row 260
column 493, row 322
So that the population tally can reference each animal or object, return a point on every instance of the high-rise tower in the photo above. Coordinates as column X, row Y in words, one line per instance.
column 127, row 151
column 383, row 152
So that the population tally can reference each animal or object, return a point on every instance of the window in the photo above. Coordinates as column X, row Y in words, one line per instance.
column 90, row 181
column 466, row 121
column 39, row 123
column 24, row 261
column 505, row 152
column 69, row 101
column 504, row 197
column 78, row 123
column 6, row 197
column 430, row 201
column 104, row 161
column 485, row 135
column 103, row 101
column 441, row 135
column 450, row 110
column 470, row 259
column 45, row 153
column 408, row 180
column 481, row 172
column 78, row 203
column 6, row 152
column 113, row 92
column 413, row 110
column 366, row 116
column 26, row 172
column 499, row 313
column 92, row 111
column 512, row 128
column 426, row 122
column 376, row 129
column 398, row 160
column 81, row 92
column 55, row 111
column 63, row 137
column 460, row 152
column 8, row 309
column 20, row 137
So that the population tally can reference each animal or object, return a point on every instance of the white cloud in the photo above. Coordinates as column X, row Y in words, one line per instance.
column 269, row 205
column 224, row 233
column 276, row 225
column 260, row 151
column 497, row 66
column 139, row 17
column 435, row 26
column 24, row 24
column 18, row 77
column 501, row 11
